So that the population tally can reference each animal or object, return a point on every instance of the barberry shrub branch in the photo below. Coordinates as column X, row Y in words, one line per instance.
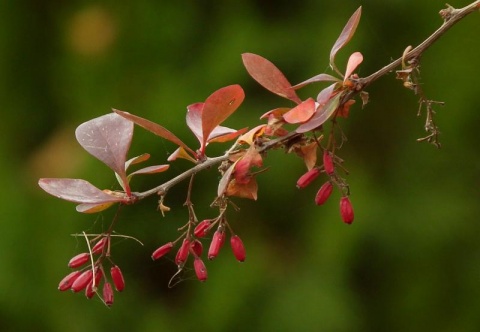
column 316, row 138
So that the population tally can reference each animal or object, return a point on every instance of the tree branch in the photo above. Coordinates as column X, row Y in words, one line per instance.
column 450, row 15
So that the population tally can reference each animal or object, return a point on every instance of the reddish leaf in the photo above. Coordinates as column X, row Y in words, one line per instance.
column 108, row 139
column 345, row 36
column 269, row 76
column 242, row 166
column 276, row 113
column 322, row 115
column 218, row 107
column 77, row 190
column 154, row 128
column 353, row 62
column 301, row 112
column 318, row 78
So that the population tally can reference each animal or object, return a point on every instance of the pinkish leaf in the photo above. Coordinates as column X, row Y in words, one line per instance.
column 136, row 160
column 224, row 134
column 218, row 107
column 154, row 128
column 325, row 95
column 269, row 76
column 321, row 115
column 353, row 62
column 194, row 120
column 150, row 170
column 108, row 139
column 317, row 78
column 301, row 112
column 345, row 36
column 77, row 190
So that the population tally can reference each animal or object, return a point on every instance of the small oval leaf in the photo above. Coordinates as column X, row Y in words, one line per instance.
column 301, row 112
column 353, row 62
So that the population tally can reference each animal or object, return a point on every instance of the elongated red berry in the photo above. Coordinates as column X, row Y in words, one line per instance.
column 89, row 291
column 197, row 248
column 216, row 244
column 308, row 178
column 68, row 280
column 162, row 251
column 324, row 193
column 202, row 228
column 182, row 253
column 98, row 247
column 200, row 269
column 79, row 260
column 238, row 248
column 346, row 210
column 107, row 294
column 328, row 162
column 82, row 281
column 117, row 278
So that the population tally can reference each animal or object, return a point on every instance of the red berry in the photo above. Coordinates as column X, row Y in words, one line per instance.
column 200, row 269
column 107, row 294
column 89, row 291
column 238, row 248
column 98, row 247
column 324, row 193
column 68, row 280
column 202, row 228
column 79, row 260
column 346, row 210
column 197, row 248
column 98, row 276
column 217, row 243
column 162, row 251
column 182, row 253
column 328, row 162
column 117, row 278
column 308, row 177
column 82, row 281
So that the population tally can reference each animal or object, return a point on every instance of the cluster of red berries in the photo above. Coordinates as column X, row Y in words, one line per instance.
column 191, row 244
column 89, row 277
column 346, row 209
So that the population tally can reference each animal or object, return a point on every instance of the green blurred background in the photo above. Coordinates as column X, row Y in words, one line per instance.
column 410, row 261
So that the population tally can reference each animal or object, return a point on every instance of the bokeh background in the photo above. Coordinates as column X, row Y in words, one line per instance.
column 410, row 261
